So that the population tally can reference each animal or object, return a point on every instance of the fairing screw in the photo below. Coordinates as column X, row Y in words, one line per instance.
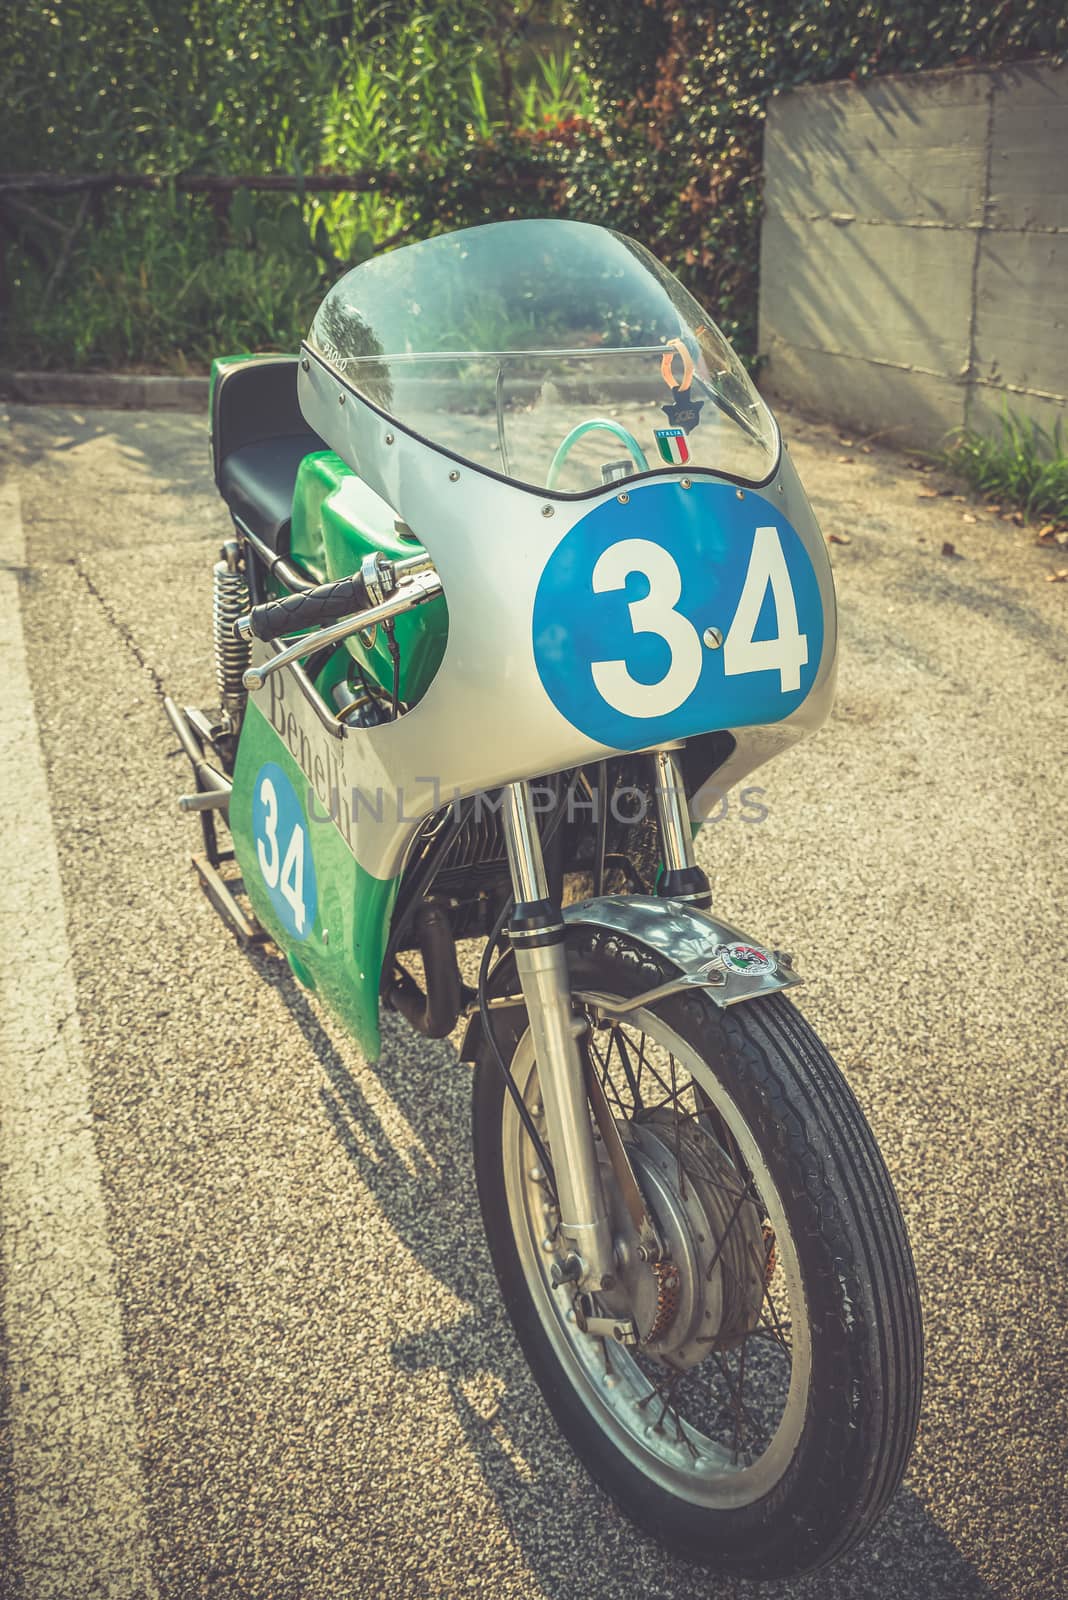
column 686, row 483
column 454, row 477
column 305, row 364
column 389, row 438
column 547, row 511
column 740, row 493
column 713, row 638
column 623, row 498
column 341, row 399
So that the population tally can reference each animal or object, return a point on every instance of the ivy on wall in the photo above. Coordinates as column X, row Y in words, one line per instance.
column 684, row 89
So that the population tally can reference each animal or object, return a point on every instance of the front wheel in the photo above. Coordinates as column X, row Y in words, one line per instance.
column 761, row 1413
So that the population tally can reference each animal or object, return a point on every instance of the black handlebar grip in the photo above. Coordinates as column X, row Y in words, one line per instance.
column 309, row 609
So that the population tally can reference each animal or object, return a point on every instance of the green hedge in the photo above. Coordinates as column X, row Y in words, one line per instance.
column 653, row 124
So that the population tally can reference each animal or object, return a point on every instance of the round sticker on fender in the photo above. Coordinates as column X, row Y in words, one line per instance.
column 280, row 830
column 678, row 612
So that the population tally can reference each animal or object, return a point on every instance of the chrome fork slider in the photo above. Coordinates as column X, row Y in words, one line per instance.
column 537, row 935
column 682, row 878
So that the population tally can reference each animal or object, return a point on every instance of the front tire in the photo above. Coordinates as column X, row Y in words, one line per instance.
column 750, row 1145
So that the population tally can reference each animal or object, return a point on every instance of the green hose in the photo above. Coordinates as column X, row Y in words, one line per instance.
column 637, row 454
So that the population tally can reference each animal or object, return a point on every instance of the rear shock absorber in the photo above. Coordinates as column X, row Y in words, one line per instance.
column 230, row 601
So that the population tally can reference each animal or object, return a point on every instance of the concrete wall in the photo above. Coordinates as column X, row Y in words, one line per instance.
column 914, row 256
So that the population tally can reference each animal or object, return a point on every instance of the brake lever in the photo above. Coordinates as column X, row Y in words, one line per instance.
column 414, row 590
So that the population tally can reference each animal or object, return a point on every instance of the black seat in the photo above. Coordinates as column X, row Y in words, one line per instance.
column 257, row 484
column 259, row 438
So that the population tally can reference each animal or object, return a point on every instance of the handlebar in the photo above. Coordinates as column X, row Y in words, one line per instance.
column 410, row 583
column 376, row 580
column 307, row 610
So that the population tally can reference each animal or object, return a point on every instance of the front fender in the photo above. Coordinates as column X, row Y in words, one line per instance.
column 706, row 953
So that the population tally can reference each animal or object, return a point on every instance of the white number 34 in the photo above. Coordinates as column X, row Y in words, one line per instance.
column 786, row 653
column 284, row 874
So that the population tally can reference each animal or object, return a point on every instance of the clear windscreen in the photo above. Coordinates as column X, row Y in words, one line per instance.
column 559, row 355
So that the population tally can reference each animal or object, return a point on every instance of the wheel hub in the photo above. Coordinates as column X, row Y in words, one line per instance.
column 708, row 1290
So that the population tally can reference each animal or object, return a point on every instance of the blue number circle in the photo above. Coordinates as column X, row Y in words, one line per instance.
column 283, row 850
column 681, row 611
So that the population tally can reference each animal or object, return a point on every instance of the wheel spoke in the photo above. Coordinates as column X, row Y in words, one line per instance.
column 738, row 1411
column 741, row 1392
column 610, row 1089
column 665, row 1393
column 746, row 1194
column 675, row 1116
column 628, row 1070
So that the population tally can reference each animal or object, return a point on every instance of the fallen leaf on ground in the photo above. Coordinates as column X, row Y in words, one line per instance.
column 846, row 459
column 866, row 449
column 967, row 517
column 1046, row 538
column 1058, row 577
column 847, row 442
column 963, row 498
column 948, row 549
column 1017, row 517
column 839, row 538
column 927, row 494
column 1046, row 528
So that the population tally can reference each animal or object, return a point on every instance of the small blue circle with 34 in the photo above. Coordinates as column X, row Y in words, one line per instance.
column 283, row 850
column 681, row 611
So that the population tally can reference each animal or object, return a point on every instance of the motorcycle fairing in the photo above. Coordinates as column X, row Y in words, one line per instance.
column 487, row 717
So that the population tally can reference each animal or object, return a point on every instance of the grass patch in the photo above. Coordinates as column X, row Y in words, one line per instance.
column 1022, row 463
column 157, row 284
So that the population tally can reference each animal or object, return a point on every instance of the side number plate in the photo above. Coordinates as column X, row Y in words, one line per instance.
column 280, row 830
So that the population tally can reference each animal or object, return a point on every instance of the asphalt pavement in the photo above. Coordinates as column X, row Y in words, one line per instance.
column 250, row 1341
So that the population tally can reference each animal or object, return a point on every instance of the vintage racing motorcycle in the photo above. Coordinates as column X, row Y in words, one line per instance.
column 521, row 583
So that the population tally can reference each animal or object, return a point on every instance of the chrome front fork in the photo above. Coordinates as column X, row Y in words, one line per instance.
column 682, row 878
column 537, row 936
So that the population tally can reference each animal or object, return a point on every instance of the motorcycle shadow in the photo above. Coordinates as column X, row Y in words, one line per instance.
column 559, row 1520
column 563, row 1523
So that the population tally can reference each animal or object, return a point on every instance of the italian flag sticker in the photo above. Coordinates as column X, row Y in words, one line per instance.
column 671, row 442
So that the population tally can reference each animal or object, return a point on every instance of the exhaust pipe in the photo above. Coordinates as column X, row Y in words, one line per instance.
column 435, row 1013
